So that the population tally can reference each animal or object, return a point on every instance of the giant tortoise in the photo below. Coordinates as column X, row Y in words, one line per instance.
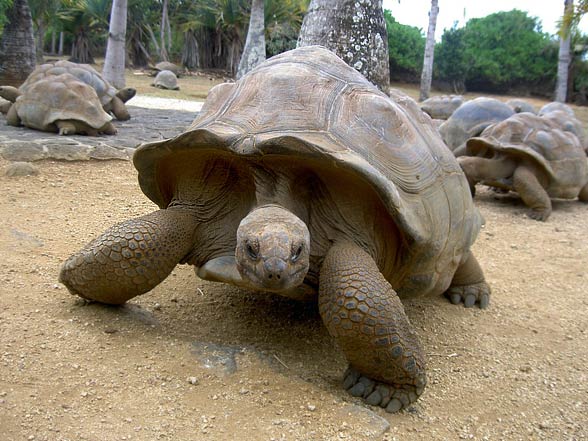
column 441, row 106
column 166, row 79
column 112, row 100
column 531, row 155
column 60, row 103
column 304, row 180
column 470, row 119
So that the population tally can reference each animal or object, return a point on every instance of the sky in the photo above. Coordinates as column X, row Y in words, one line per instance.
column 416, row 12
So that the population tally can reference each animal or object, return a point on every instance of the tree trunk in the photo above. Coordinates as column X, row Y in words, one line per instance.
column 163, row 54
column 355, row 30
column 427, row 74
column 190, row 52
column 254, row 50
column 61, row 38
column 80, row 49
column 40, row 40
column 561, row 87
column 53, row 42
column 114, row 60
column 17, row 47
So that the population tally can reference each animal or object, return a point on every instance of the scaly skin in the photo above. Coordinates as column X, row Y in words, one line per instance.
column 130, row 258
column 363, row 313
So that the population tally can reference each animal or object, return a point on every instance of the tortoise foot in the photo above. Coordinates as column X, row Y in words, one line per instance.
column 539, row 215
column 391, row 397
column 470, row 295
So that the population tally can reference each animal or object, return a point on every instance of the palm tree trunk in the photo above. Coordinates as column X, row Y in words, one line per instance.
column 355, row 30
column 17, row 47
column 427, row 74
column 163, row 54
column 61, row 38
column 254, row 51
column 561, row 87
column 114, row 61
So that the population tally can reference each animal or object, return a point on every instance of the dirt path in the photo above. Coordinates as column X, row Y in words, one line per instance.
column 194, row 360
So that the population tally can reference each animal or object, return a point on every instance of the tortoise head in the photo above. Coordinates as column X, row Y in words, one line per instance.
column 126, row 94
column 9, row 93
column 273, row 248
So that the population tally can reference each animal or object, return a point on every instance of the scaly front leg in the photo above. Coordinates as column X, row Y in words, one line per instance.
column 365, row 316
column 130, row 258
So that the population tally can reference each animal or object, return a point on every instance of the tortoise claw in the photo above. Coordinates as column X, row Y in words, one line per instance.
column 391, row 397
column 470, row 295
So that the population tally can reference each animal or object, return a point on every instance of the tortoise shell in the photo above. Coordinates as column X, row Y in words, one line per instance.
column 166, row 79
column 60, row 97
column 83, row 72
column 471, row 118
column 308, row 111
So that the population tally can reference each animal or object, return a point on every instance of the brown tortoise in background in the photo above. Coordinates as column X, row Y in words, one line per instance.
column 112, row 100
column 304, row 180
column 60, row 103
column 532, row 155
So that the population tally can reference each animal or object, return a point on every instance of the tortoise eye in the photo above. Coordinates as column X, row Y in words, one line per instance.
column 251, row 251
column 297, row 253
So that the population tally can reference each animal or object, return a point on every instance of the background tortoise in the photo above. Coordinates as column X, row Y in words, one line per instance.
column 112, row 101
column 166, row 65
column 441, row 106
column 303, row 179
column 470, row 119
column 556, row 106
column 166, row 79
column 520, row 106
column 62, row 104
column 531, row 155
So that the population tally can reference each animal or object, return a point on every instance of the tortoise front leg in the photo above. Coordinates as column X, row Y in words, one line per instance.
column 583, row 195
column 66, row 127
column 529, row 188
column 130, row 258
column 468, row 285
column 365, row 316
column 12, row 118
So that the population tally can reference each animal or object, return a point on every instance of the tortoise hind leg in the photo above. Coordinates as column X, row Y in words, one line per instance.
column 130, row 258
column 468, row 285
column 365, row 316
column 583, row 195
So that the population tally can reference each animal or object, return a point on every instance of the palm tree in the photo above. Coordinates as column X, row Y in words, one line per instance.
column 254, row 51
column 355, row 30
column 86, row 20
column 561, row 87
column 114, row 61
column 427, row 73
column 17, row 47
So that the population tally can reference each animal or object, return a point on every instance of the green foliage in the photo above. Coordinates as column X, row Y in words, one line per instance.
column 283, row 19
column 450, row 60
column 4, row 5
column 406, row 46
column 506, row 49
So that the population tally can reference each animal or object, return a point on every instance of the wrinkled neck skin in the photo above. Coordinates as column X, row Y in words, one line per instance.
column 272, row 252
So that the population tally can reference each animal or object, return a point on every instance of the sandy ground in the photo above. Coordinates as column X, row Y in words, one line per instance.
column 196, row 360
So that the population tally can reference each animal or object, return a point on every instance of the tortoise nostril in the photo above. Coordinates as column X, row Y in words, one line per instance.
column 274, row 268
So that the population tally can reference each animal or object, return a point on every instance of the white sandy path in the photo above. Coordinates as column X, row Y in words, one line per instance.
column 165, row 103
